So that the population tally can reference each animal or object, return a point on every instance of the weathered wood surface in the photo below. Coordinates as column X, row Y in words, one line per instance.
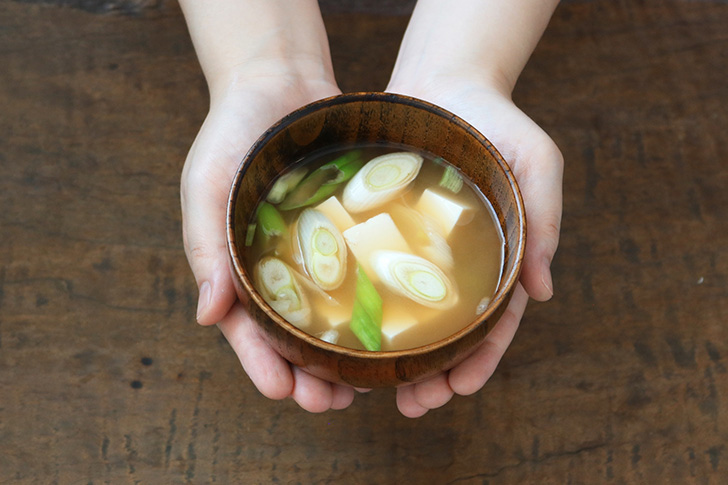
column 105, row 377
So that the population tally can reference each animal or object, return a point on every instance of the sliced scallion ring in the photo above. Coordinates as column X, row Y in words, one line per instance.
column 323, row 247
column 276, row 282
column 415, row 278
column 380, row 180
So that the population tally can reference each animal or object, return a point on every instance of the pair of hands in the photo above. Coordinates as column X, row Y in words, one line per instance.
column 245, row 110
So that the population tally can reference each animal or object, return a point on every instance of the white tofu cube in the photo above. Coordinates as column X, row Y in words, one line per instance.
column 333, row 209
column 374, row 234
column 335, row 315
column 442, row 209
column 331, row 336
column 396, row 320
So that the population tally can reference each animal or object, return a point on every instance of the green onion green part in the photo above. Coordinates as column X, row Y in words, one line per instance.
column 285, row 184
column 366, row 318
column 323, row 181
column 270, row 220
column 250, row 234
column 451, row 179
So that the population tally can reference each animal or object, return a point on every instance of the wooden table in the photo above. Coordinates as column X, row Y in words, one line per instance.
column 106, row 378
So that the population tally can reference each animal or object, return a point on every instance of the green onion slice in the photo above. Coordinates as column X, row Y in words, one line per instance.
column 323, row 249
column 451, row 179
column 366, row 318
column 323, row 181
column 382, row 179
column 270, row 220
column 415, row 278
column 285, row 184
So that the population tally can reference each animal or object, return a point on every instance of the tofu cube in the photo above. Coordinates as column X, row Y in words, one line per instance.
column 331, row 336
column 333, row 209
column 335, row 315
column 441, row 209
column 374, row 234
column 395, row 320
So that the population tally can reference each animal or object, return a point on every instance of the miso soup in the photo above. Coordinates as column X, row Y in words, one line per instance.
column 377, row 247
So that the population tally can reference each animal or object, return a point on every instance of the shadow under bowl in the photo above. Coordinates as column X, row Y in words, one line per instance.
column 367, row 118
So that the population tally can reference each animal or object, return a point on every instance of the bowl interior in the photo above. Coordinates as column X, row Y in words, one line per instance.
column 377, row 118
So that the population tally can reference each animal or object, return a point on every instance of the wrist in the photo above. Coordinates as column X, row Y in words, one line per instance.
column 484, row 42
column 304, row 77
column 428, row 80
column 243, row 42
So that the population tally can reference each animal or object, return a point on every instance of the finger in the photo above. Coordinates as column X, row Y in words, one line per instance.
column 204, row 188
column 434, row 392
column 205, row 245
column 270, row 373
column 471, row 375
column 343, row 396
column 407, row 404
column 539, row 171
column 311, row 393
column 538, row 166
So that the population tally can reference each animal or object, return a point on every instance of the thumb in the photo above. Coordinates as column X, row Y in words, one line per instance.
column 541, row 185
column 204, row 200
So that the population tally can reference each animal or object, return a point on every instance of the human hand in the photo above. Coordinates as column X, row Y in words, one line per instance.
column 261, row 61
column 537, row 165
column 470, row 37
column 236, row 119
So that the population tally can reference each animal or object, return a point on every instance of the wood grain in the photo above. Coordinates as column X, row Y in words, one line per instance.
column 351, row 120
column 105, row 377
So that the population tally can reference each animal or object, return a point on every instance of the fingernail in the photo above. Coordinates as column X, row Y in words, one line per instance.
column 204, row 299
column 546, row 280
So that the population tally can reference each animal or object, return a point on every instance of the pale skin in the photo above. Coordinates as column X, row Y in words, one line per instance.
column 265, row 58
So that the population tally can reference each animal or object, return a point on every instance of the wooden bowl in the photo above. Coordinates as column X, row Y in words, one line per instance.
column 367, row 118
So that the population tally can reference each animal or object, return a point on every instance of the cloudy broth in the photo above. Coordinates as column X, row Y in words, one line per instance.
column 473, row 253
